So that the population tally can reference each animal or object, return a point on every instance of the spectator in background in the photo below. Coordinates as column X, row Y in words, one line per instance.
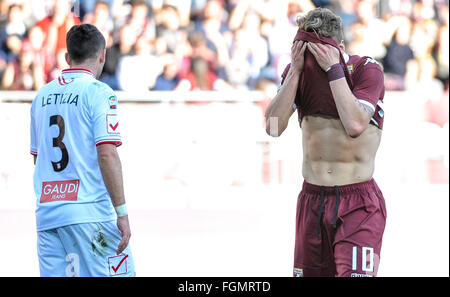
column 427, row 78
column 420, row 78
column 168, row 27
column 197, row 7
column 242, row 41
column 200, row 77
column 398, row 53
column 239, row 68
column 138, row 71
column 4, row 7
column 412, row 74
column 169, row 79
column 14, row 24
column 284, row 26
column 27, row 72
column 113, row 55
column 423, row 38
column 423, row 10
column 100, row 18
column 12, row 33
column 213, row 11
column 55, row 28
column 258, row 48
column 348, row 13
column 18, row 74
column 215, row 31
column 61, row 64
column 127, row 40
column 368, row 32
column 87, row 8
column 442, row 47
column 196, row 47
column 138, row 23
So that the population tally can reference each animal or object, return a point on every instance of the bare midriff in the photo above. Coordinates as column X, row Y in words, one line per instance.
column 331, row 157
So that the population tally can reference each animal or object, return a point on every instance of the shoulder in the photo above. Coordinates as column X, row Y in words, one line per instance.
column 48, row 88
column 94, row 86
column 98, row 92
column 366, row 63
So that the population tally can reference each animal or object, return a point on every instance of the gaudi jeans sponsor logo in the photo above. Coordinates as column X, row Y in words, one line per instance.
column 66, row 190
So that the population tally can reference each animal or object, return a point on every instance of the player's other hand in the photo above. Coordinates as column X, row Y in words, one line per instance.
column 298, row 55
column 124, row 227
column 325, row 54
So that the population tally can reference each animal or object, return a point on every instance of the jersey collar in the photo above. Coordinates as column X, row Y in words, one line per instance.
column 78, row 70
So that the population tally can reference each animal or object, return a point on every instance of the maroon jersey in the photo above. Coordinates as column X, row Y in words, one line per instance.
column 314, row 95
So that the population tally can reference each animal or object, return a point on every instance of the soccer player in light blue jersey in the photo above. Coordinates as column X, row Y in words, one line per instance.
column 81, row 215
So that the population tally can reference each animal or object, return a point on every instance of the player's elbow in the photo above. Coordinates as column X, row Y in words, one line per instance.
column 356, row 129
column 105, row 157
column 274, row 128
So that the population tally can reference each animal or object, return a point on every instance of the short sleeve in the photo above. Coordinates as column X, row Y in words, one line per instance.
column 285, row 73
column 104, row 117
column 33, row 138
column 369, row 83
column 283, row 77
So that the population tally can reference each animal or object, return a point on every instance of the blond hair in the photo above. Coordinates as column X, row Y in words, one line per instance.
column 323, row 22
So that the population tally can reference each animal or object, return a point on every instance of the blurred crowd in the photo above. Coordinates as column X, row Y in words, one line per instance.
column 218, row 44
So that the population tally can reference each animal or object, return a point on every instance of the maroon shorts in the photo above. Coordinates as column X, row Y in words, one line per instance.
column 339, row 230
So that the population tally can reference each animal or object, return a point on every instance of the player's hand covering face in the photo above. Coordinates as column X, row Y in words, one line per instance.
column 325, row 54
column 298, row 55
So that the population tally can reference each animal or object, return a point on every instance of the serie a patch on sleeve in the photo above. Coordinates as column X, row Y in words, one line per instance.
column 112, row 100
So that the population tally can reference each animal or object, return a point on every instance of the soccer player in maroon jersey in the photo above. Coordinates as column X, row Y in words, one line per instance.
column 341, row 212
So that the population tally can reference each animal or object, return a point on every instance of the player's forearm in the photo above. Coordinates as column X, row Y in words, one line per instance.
column 353, row 118
column 280, row 108
column 111, row 169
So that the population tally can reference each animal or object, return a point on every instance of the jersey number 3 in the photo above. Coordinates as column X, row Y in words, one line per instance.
column 57, row 142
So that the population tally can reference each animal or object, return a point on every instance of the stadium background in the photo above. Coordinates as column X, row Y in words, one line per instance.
column 209, row 193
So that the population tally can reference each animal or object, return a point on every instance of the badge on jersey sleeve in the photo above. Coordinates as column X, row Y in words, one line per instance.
column 350, row 68
column 112, row 123
column 112, row 100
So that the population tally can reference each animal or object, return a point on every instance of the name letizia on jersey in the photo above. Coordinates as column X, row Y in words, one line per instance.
column 60, row 98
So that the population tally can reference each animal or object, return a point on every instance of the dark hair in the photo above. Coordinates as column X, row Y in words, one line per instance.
column 84, row 42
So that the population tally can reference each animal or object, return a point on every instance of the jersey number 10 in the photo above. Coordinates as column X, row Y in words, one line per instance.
column 367, row 261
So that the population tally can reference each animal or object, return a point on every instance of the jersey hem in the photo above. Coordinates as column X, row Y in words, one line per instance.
column 81, row 221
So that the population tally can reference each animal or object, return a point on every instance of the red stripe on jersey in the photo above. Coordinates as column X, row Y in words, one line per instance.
column 116, row 142
column 64, row 81
column 78, row 70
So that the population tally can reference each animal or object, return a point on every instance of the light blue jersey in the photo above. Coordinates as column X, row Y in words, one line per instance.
column 70, row 116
